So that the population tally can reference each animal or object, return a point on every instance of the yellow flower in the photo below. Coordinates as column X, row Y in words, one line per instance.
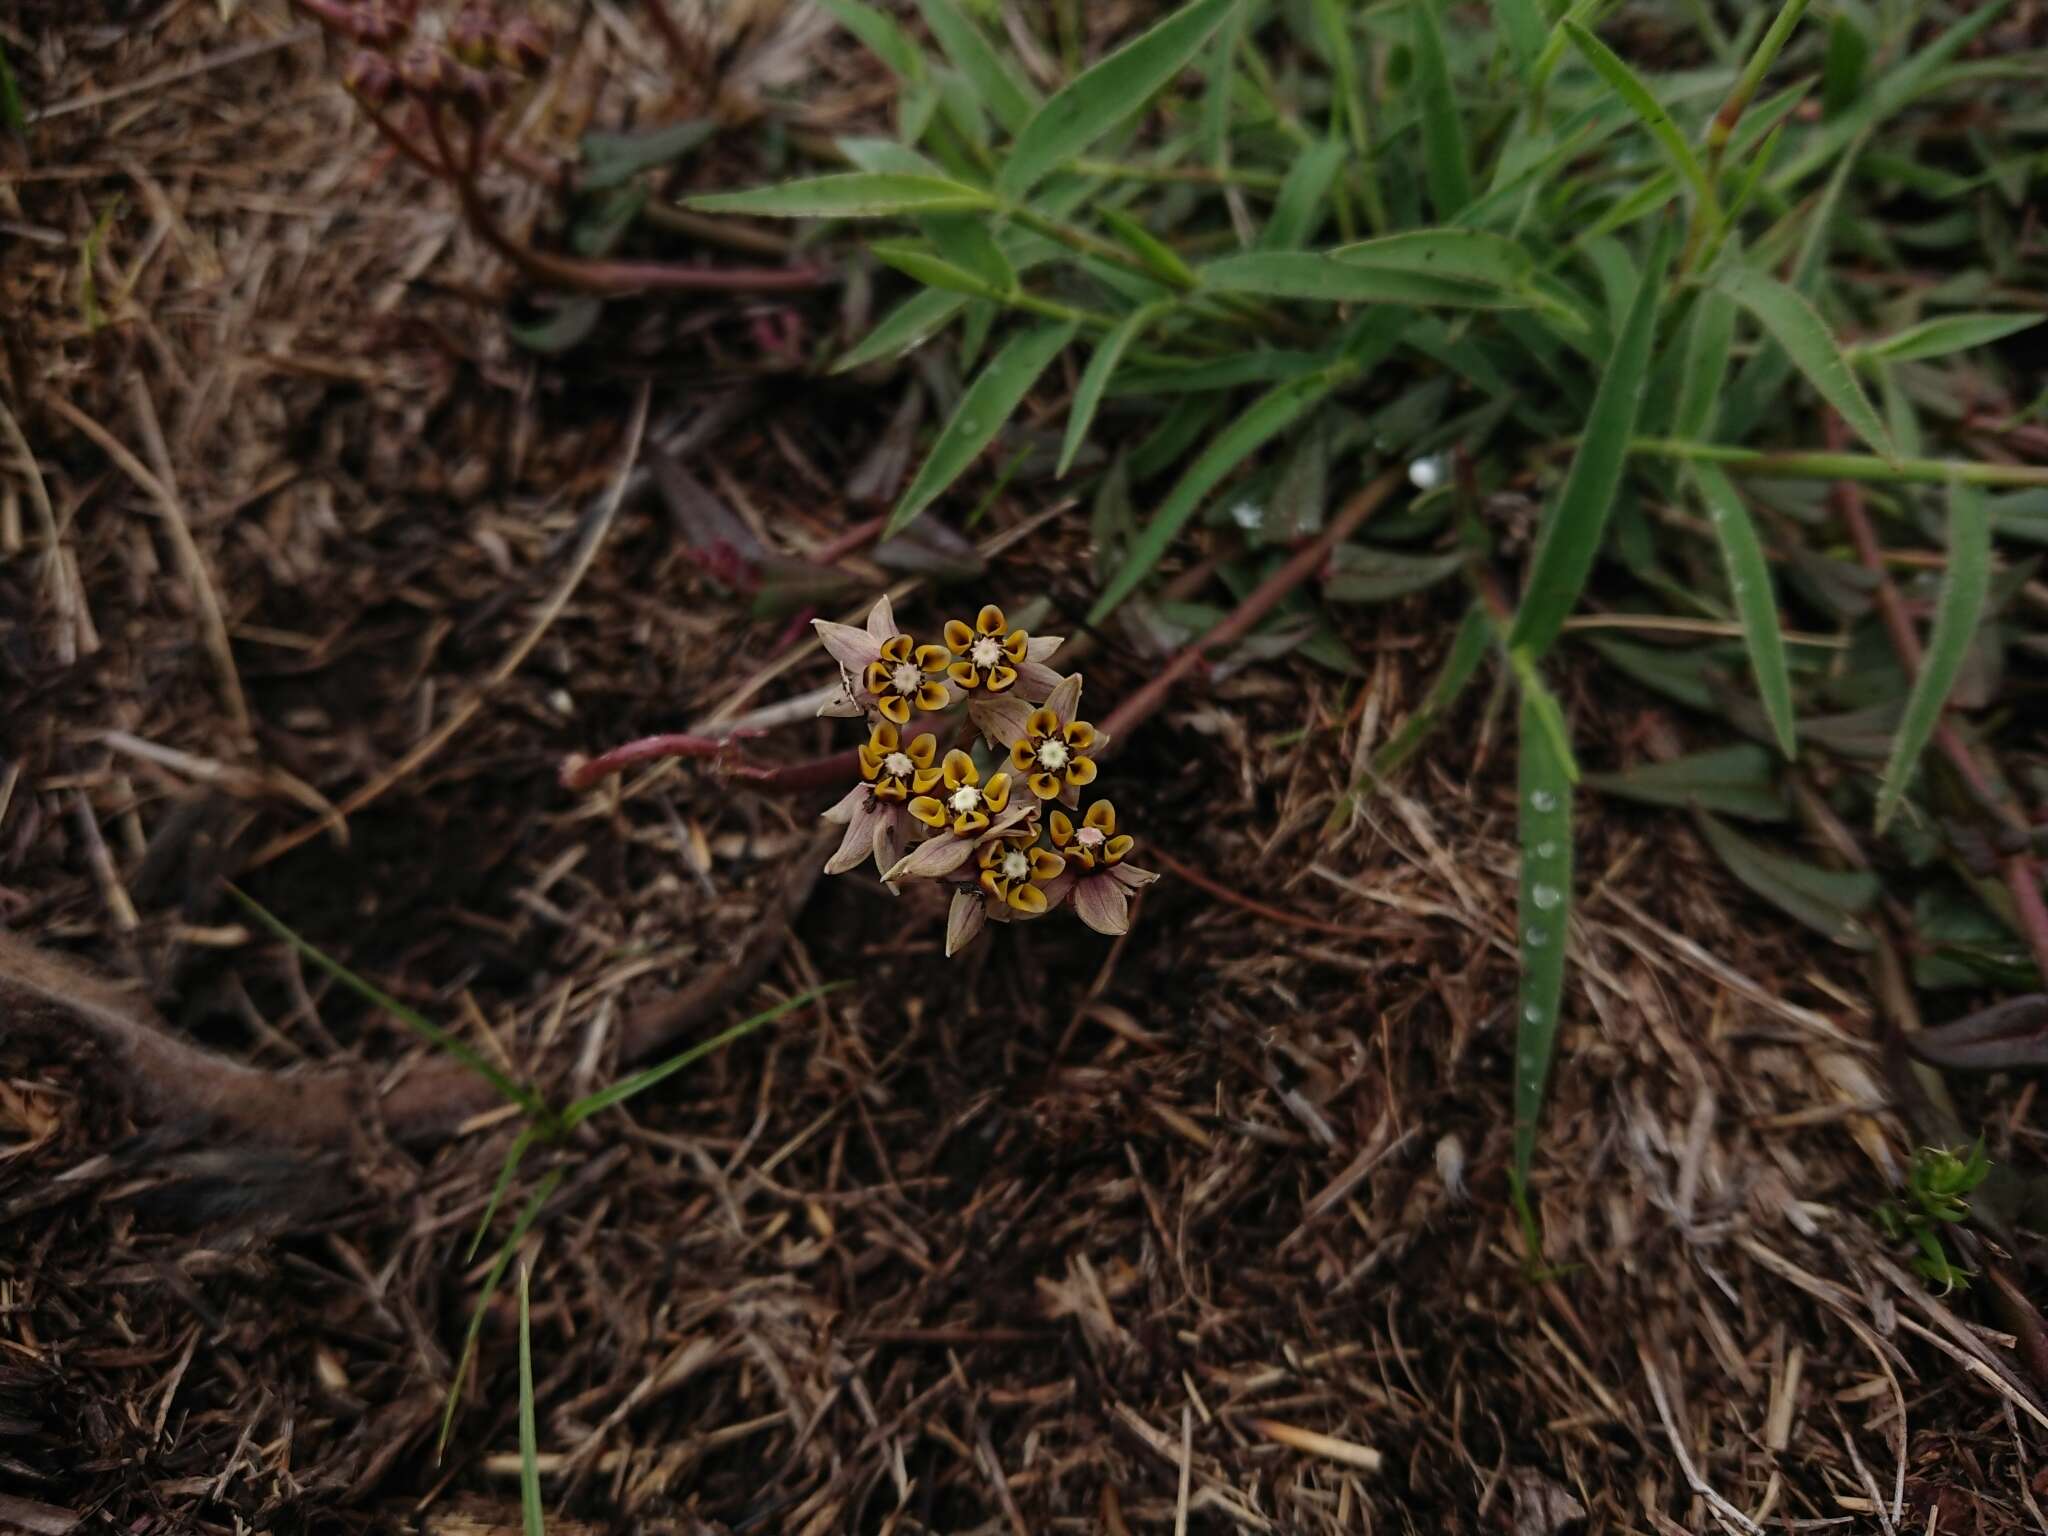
column 892, row 767
column 1013, row 873
column 1096, row 839
column 900, row 677
column 1050, row 755
column 989, row 653
column 966, row 803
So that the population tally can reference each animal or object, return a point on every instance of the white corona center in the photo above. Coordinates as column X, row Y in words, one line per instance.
column 985, row 652
column 1052, row 755
column 897, row 765
column 965, row 799
column 1089, row 837
column 1015, row 866
column 905, row 678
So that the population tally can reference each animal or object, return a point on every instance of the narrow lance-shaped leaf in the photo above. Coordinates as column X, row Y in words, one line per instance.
column 1796, row 325
column 492, row 1278
column 1095, row 378
column 1572, row 533
column 1963, row 590
column 910, row 324
column 1708, row 343
column 1522, row 24
column 849, row 195
column 1443, row 132
column 884, row 38
column 1543, row 917
column 987, row 403
column 1340, row 280
column 1464, row 255
column 1624, row 82
column 1749, row 583
column 1298, row 209
column 1739, row 780
column 1001, row 86
column 1826, row 900
column 1159, row 258
column 1937, row 338
column 1273, row 412
column 934, row 271
column 1095, row 101
column 532, row 1516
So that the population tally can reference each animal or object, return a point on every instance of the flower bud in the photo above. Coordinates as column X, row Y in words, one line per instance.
column 523, row 44
column 471, row 35
column 370, row 76
column 477, row 91
column 426, row 71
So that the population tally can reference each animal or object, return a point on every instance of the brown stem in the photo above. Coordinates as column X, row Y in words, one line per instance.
column 1304, row 563
column 858, row 537
column 1258, row 908
column 579, row 772
column 2021, row 873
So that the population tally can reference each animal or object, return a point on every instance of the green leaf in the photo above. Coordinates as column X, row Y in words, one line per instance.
column 1796, row 326
column 1273, row 413
column 1095, row 378
column 1571, row 535
column 641, row 1081
column 425, row 1028
column 507, row 1171
column 11, row 114
column 1950, row 333
column 1443, row 131
column 1842, row 68
column 1543, row 919
column 988, row 402
column 1738, row 781
column 492, row 1277
column 918, row 262
column 1826, row 900
column 885, row 40
column 964, row 240
column 1522, row 23
column 1360, row 573
column 1461, row 255
column 1160, row 259
column 1092, row 103
column 1710, row 339
column 1625, row 84
column 531, row 1513
column 910, row 324
column 1963, row 590
column 849, row 195
column 1749, row 582
column 1468, row 649
column 1274, row 365
column 1298, row 209
column 1002, row 88
column 612, row 158
column 1342, row 280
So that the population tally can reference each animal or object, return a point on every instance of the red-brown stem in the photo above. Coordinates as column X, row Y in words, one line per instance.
column 840, row 769
column 582, row 772
column 859, row 536
column 2022, row 874
column 609, row 279
column 1216, row 888
column 1303, row 564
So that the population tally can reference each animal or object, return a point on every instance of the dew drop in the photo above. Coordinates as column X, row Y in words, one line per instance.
column 1532, row 1014
column 1536, row 938
column 1546, row 849
column 1546, row 897
column 1426, row 474
column 1248, row 514
column 1543, row 801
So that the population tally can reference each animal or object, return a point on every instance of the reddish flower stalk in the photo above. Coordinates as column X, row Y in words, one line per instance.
column 2021, row 873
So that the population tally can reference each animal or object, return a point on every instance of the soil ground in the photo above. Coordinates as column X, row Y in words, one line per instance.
column 1204, row 1228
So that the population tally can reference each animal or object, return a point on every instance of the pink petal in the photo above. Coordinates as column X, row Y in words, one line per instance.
column 1000, row 719
column 882, row 621
column 1065, row 700
column 1034, row 681
column 932, row 860
column 852, row 648
column 858, row 843
column 1132, row 876
column 888, row 840
column 964, row 922
column 1041, row 647
column 1103, row 906
column 843, row 811
column 1057, row 887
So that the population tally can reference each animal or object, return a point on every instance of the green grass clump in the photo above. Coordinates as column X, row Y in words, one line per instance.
column 1286, row 243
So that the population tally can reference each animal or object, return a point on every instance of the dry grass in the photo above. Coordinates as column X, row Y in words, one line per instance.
column 1203, row 1231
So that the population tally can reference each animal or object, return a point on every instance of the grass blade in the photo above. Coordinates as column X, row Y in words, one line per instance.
column 1826, row 900
column 1331, row 279
column 1571, row 536
column 1736, row 780
column 1275, row 411
column 1625, row 83
column 1095, row 378
column 1936, row 338
column 1711, row 338
column 996, row 392
column 426, row 1029
column 492, row 1278
column 1749, row 583
column 884, row 39
column 1159, row 258
column 1092, row 103
column 1464, row 255
column 529, row 1435
column 1796, row 326
column 521, row 1144
column 910, row 324
column 1521, row 23
column 1963, row 591
column 1444, row 159
column 934, row 271
column 1542, row 921
column 640, row 1082
column 1298, row 210
column 849, row 195
column 1002, row 88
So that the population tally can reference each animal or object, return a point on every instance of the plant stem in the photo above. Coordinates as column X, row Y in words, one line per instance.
column 1843, row 466
column 1208, row 175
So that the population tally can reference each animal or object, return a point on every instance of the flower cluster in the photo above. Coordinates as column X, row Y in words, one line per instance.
column 471, row 64
column 997, row 829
